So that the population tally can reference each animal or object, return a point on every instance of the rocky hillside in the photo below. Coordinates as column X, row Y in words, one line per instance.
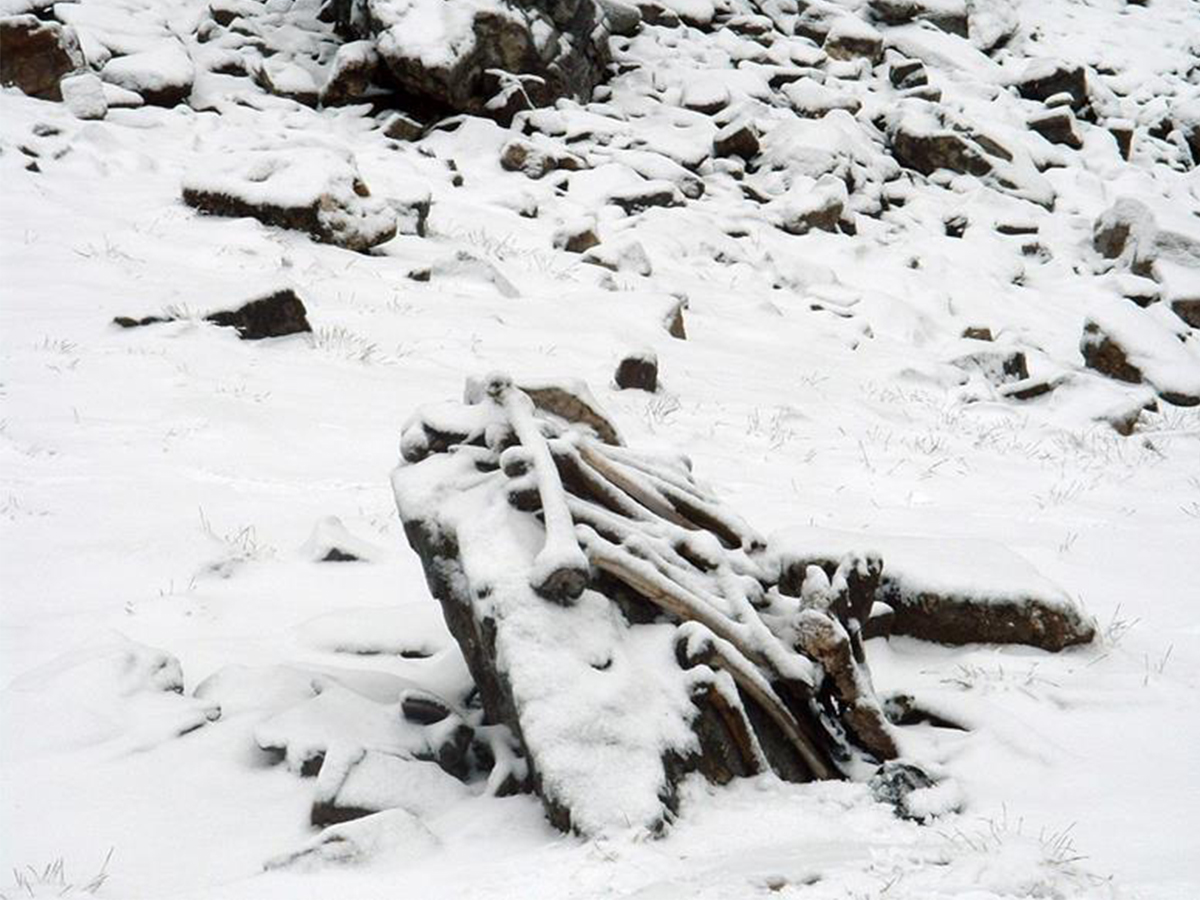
column 919, row 277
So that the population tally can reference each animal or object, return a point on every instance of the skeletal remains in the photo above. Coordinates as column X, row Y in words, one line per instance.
column 625, row 625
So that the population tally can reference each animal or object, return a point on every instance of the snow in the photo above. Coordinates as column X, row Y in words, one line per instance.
column 815, row 389
column 166, row 66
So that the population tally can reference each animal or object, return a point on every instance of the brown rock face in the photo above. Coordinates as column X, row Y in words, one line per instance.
column 34, row 55
column 1106, row 356
column 552, row 50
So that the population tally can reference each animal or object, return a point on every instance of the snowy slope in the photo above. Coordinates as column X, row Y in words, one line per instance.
column 160, row 483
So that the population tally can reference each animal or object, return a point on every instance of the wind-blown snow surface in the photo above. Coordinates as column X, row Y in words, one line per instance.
column 160, row 486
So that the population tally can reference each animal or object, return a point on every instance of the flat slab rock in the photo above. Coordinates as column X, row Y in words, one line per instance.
column 953, row 590
column 313, row 190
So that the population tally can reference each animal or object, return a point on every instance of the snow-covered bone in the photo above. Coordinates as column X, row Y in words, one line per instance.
column 677, row 653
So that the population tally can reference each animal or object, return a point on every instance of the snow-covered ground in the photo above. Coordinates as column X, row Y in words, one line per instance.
column 160, row 485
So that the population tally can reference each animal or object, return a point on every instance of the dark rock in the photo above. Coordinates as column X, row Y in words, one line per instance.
column 577, row 237
column 851, row 38
column 537, row 160
column 400, row 127
column 640, row 198
column 354, row 69
column 623, row 19
column 1122, row 132
column 501, row 58
column 1058, row 127
column 901, row 12
column 275, row 315
column 674, row 320
column 1014, row 229
column 1030, row 389
column 907, row 73
column 926, row 152
column 894, row 782
column 128, row 322
column 737, row 139
column 1045, row 78
column 997, row 366
column 35, row 55
column 956, row 225
column 1188, row 310
column 978, row 334
column 638, row 371
column 1102, row 353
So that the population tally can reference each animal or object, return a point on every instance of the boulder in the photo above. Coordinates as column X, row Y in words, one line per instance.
column 276, row 315
column 1102, row 353
column 627, row 256
column 84, row 96
column 948, row 15
column 623, row 19
column 1043, row 78
column 1122, row 132
column 400, row 127
column 1057, row 126
column 737, row 139
column 638, row 371
column 907, row 73
column 577, row 236
column 490, row 59
column 810, row 206
column 354, row 69
column 309, row 189
column 35, row 55
column 162, row 76
column 922, row 144
column 638, row 199
column 849, row 37
column 537, row 159
column 286, row 79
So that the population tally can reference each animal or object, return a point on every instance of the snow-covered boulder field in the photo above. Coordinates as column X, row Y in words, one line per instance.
column 913, row 286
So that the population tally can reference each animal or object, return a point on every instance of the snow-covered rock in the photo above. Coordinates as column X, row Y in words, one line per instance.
column 313, row 190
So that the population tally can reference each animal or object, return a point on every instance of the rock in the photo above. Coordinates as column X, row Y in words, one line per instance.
column 852, row 38
column 895, row 782
column 536, row 160
column 412, row 209
column 978, row 334
column 638, row 371
column 907, row 73
column 84, row 96
column 488, row 59
column 276, row 315
column 623, row 19
column 577, row 235
column 350, row 76
column 1043, row 78
column 121, row 98
column 1132, row 233
column 807, row 207
column 162, row 76
column 640, row 198
column 627, row 256
column 955, row 225
column 706, row 96
column 673, row 320
column 1187, row 309
column 1106, row 356
column 1057, row 126
column 1122, row 132
column 130, row 322
column 331, row 541
column 400, row 127
column 287, row 79
column 998, row 367
column 35, row 55
column 394, row 834
column 921, row 144
column 737, row 139
column 313, row 190
column 950, row 17
column 813, row 100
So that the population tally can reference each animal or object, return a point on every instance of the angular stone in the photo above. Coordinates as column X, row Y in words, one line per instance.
column 276, row 315
column 35, row 55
